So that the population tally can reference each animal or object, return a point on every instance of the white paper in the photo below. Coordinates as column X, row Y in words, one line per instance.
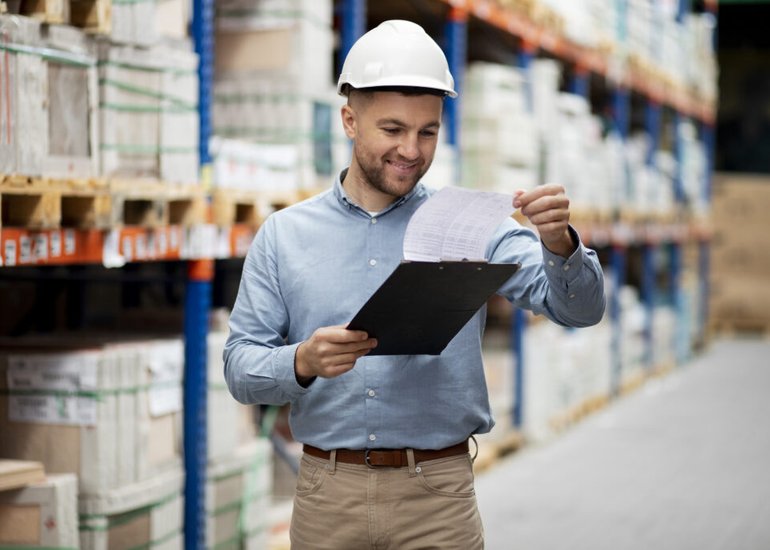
column 111, row 256
column 53, row 388
column 166, row 364
column 455, row 224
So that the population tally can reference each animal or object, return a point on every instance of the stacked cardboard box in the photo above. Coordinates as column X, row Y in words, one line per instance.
column 149, row 118
column 499, row 153
column 740, row 259
column 148, row 514
column 238, row 494
column 41, row 515
column 230, row 424
column 50, row 97
column 562, row 382
column 274, row 82
column 110, row 413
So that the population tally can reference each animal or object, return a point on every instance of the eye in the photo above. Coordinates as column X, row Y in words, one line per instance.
column 391, row 131
column 429, row 133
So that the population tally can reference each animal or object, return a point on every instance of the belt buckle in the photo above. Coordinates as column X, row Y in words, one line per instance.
column 366, row 459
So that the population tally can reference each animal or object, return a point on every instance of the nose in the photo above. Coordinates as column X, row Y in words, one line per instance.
column 408, row 147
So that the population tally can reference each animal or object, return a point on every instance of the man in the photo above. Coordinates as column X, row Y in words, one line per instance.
column 386, row 460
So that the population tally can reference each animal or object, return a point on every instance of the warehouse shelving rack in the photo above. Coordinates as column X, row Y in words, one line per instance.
column 586, row 64
column 27, row 247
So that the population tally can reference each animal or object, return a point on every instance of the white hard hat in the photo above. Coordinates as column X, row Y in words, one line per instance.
column 396, row 53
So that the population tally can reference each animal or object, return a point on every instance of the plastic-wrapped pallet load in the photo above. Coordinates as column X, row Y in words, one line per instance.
column 41, row 515
column 230, row 424
column 109, row 413
column 48, row 89
column 148, row 514
column 294, row 38
column 238, row 495
column 240, row 164
column 274, row 81
column 632, row 343
column 172, row 18
column 573, row 154
column 498, row 152
column 568, row 373
column 133, row 22
column 270, row 110
column 149, row 118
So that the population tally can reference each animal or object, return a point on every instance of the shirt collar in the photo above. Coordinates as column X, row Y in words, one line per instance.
column 342, row 197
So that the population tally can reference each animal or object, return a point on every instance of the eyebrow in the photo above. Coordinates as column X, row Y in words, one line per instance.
column 396, row 122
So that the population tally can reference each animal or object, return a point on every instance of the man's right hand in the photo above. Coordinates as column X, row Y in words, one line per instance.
column 330, row 352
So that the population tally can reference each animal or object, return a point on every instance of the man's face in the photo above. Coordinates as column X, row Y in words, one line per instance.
column 395, row 138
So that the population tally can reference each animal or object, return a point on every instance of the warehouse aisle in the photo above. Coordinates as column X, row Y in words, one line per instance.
column 681, row 464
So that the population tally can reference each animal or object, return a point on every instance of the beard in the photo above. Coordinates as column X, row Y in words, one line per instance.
column 375, row 176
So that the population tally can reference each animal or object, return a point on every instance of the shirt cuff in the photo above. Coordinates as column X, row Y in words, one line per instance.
column 561, row 267
column 283, row 367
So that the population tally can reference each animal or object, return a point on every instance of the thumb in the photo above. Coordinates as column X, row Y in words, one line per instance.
column 517, row 197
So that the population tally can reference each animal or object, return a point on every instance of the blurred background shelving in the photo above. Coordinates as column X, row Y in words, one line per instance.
column 171, row 129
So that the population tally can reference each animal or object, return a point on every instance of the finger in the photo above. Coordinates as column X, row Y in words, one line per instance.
column 358, row 347
column 341, row 364
column 551, row 215
column 555, row 204
column 341, row 335
column 549, row 189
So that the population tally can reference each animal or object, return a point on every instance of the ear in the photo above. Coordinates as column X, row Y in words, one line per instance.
column 348, row 121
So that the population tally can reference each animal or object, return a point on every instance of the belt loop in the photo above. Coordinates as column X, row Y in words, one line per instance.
column 332, row 466
column 410, row 461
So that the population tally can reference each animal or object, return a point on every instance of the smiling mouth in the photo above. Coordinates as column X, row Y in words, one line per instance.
column 403, row 166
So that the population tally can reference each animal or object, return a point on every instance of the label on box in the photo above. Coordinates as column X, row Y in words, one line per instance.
column 166, row 365
column 53, row 389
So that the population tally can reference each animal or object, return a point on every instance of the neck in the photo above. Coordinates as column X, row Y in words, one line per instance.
column 362, row 193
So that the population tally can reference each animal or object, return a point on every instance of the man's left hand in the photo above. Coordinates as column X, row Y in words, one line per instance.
column 547, row 208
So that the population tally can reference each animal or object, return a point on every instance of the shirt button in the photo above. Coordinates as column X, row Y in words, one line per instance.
column 374, row 220
column 550, row 263
column 571, row 296
column 372, row 263
column 372, row 437
column 371, row 393
column 566, row 267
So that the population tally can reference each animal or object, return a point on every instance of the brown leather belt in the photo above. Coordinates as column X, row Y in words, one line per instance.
column 386, row 458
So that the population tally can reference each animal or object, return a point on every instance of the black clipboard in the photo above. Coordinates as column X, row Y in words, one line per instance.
column 421, row 306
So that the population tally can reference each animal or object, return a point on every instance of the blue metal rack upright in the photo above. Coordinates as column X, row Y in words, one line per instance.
column 455, row 48
column 197, row 307
column 653, row 115
column 352, row 25
column 621, row 105
column 519, row 324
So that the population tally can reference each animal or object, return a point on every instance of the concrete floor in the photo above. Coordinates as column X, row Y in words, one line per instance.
column 683, row 463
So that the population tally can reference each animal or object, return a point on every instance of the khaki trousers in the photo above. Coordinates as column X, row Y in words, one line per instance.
column 430, row 505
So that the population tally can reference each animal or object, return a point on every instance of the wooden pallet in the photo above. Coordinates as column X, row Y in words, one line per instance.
column 237, row 206
column 43, row 203
column 47, row 11
column 562, row 421
column 150, row 203
column 93, row 16
column 740, row 327
column 18, row 473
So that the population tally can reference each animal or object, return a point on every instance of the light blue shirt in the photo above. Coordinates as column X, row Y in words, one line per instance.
column 314, row 264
